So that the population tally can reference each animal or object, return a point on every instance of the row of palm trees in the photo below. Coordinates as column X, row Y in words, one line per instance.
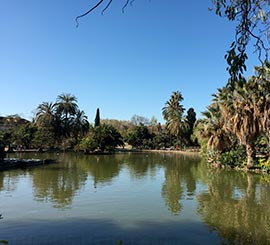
column 239, row 114
column 63, row 118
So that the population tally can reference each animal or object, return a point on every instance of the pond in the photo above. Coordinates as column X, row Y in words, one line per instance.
column 136, row 198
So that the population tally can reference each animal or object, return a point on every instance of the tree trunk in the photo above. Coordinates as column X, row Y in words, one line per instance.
column 249, row 151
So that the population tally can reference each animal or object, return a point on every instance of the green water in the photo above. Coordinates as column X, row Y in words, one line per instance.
column 148, row 198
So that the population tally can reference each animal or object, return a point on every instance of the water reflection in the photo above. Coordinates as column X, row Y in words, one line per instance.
column 237, row 207
column 179, row 179
column 234, row 205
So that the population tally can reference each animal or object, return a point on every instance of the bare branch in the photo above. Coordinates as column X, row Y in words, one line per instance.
column 86, row 13
column 107, row 6
column 125, row 5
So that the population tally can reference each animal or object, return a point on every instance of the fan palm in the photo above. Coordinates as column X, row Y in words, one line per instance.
column 211, row 129
column 239, row 109
column 262, row 91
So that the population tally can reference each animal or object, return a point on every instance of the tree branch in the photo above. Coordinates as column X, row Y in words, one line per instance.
column 107, row 6
column 86, row 13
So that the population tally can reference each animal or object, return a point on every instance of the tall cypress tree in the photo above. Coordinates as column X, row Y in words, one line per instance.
column 97, row 119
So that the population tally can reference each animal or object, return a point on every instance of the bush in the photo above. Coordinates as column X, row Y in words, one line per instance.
column 235, row 157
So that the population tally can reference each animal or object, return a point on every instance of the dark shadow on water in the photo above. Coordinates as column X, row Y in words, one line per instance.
column 76, row 231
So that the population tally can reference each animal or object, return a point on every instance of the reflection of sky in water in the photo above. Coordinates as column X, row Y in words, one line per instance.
column 238, row 194
column 126, row 199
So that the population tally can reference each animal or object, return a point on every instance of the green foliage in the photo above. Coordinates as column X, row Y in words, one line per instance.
column 60, row 122
column 161, row 140
column 23, row 135
column 102, row 138
column 43, row 138
column 139, row 136
column 252, row 25
column 264, row 162
column 234, row 157
column 173, row 114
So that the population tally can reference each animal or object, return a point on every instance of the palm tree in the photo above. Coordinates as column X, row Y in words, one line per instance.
column 173, row 114
column 262, row 91
column 45, row 114
column 49, row 120
column 173, row 106
column 66, row 104
column 80, row 125
column 239, row 109
column 211, row 130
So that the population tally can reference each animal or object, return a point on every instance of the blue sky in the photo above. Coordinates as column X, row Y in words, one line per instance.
column 124, row 64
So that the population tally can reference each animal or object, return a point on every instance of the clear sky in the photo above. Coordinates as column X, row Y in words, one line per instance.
column 125, row 64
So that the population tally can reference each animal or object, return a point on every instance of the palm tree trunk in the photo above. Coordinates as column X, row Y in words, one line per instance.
column 249, row 151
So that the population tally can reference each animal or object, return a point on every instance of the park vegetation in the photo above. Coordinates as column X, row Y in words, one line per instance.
column 62, row 125
column 235, row 129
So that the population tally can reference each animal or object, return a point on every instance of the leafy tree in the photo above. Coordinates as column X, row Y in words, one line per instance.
column 101, row 138
column 252, row 23
column 23, row 135
column 122, row 126
column 139, row 136
column 11, row 129
column 43, row 138
column 137, row 120
column 161, row 140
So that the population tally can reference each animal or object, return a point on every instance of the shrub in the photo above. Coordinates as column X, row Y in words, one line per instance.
column 236, row 156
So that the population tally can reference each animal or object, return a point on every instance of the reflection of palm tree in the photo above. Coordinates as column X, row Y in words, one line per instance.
column 172, row 191
column 179, row 179
column 57, row 185
column 235, row 207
